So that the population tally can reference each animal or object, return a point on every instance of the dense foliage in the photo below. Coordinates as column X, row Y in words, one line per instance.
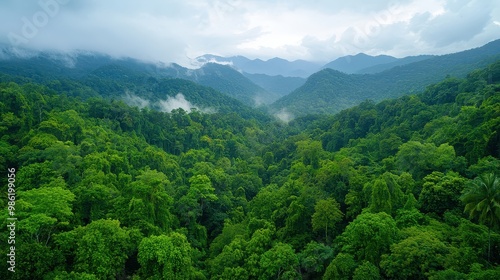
column 393, row 190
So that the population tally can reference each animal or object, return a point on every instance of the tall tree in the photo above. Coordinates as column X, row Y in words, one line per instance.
column 381, row 197
column 327, row 214
column 166, row 257
column 482, row 201
column 369, row 236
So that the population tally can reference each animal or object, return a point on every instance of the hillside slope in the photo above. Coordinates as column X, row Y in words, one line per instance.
column 353, row 63
column 92, row 68
column 330, row 91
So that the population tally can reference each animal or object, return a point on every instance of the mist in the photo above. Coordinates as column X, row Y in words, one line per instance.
column 176, row 102
column 179, row 101
column 135, row 101
column 284, row 115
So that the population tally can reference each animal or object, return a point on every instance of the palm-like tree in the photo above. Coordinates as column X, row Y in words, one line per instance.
column 482, row 200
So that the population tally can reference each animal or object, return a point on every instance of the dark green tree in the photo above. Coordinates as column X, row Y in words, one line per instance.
column 482, row 201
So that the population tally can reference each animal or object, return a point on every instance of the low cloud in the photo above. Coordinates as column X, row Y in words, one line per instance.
column 179, row 101
column 176, row 102
column 134, row 100
column 179, row 31
column 284, row 115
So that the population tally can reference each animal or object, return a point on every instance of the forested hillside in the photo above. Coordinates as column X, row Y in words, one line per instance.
column 279, row 85
column 272, row 67
column 330, row 91
column 351, row 64
column 408, row 188
column 386, row 66
column 98, row 71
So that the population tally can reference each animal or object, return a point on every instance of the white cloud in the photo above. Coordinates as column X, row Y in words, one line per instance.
column 320, row 30
column 179, row 101
column 284, row 115
column 176, row 102
column 458, row 23
column 134, row 100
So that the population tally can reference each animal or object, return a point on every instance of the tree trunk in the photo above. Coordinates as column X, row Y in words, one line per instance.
column 489, row 243
column 326, row 233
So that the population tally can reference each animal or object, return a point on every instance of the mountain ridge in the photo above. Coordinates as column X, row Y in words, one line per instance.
column 350, row 64
column 320, row 95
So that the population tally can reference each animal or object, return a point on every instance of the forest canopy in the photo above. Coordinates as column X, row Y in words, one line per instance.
column 407, row 188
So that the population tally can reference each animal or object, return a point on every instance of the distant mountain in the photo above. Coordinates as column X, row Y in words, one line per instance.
column 351, row 64
column 279, row 85
column 399, row 62
column 330, row 91
column 45, row 66
column 229, row 81
column 273, row 67
column 91, row 67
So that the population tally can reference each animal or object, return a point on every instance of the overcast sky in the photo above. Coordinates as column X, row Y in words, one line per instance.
column 317, row 30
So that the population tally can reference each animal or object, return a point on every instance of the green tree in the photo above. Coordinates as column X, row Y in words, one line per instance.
column 409, row 215
column 341, row 267
column 380, row 197
column 482, row 201
column 369, row 236
column 192, row 205
column 231, row 261
column 260, row 242
column 310, row 152
column 151, row 201
column 415, row 257
column 421, row 159
column 166, row 257
column 66, row 126
column 440, row 192
column 366, row 271
column 44, row 211
column 314, row 259
column 326, row 214
column 201, row 189
column 101, row 248
column 280, row 262
column 448, row 274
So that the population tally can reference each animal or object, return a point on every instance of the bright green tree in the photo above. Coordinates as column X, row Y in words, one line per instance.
column 166, row 257
column 326, row 215
column 380, row 197
column 45, row 210
column 366, row 271
column 440, row 192
column 341, row 267
column 231, row 261
column 150, row 199
column 100, row 248
column 369, row 236
column 280, row 262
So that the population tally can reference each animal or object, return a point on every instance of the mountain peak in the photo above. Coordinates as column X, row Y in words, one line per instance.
column 273, row 67
column 352, row 63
